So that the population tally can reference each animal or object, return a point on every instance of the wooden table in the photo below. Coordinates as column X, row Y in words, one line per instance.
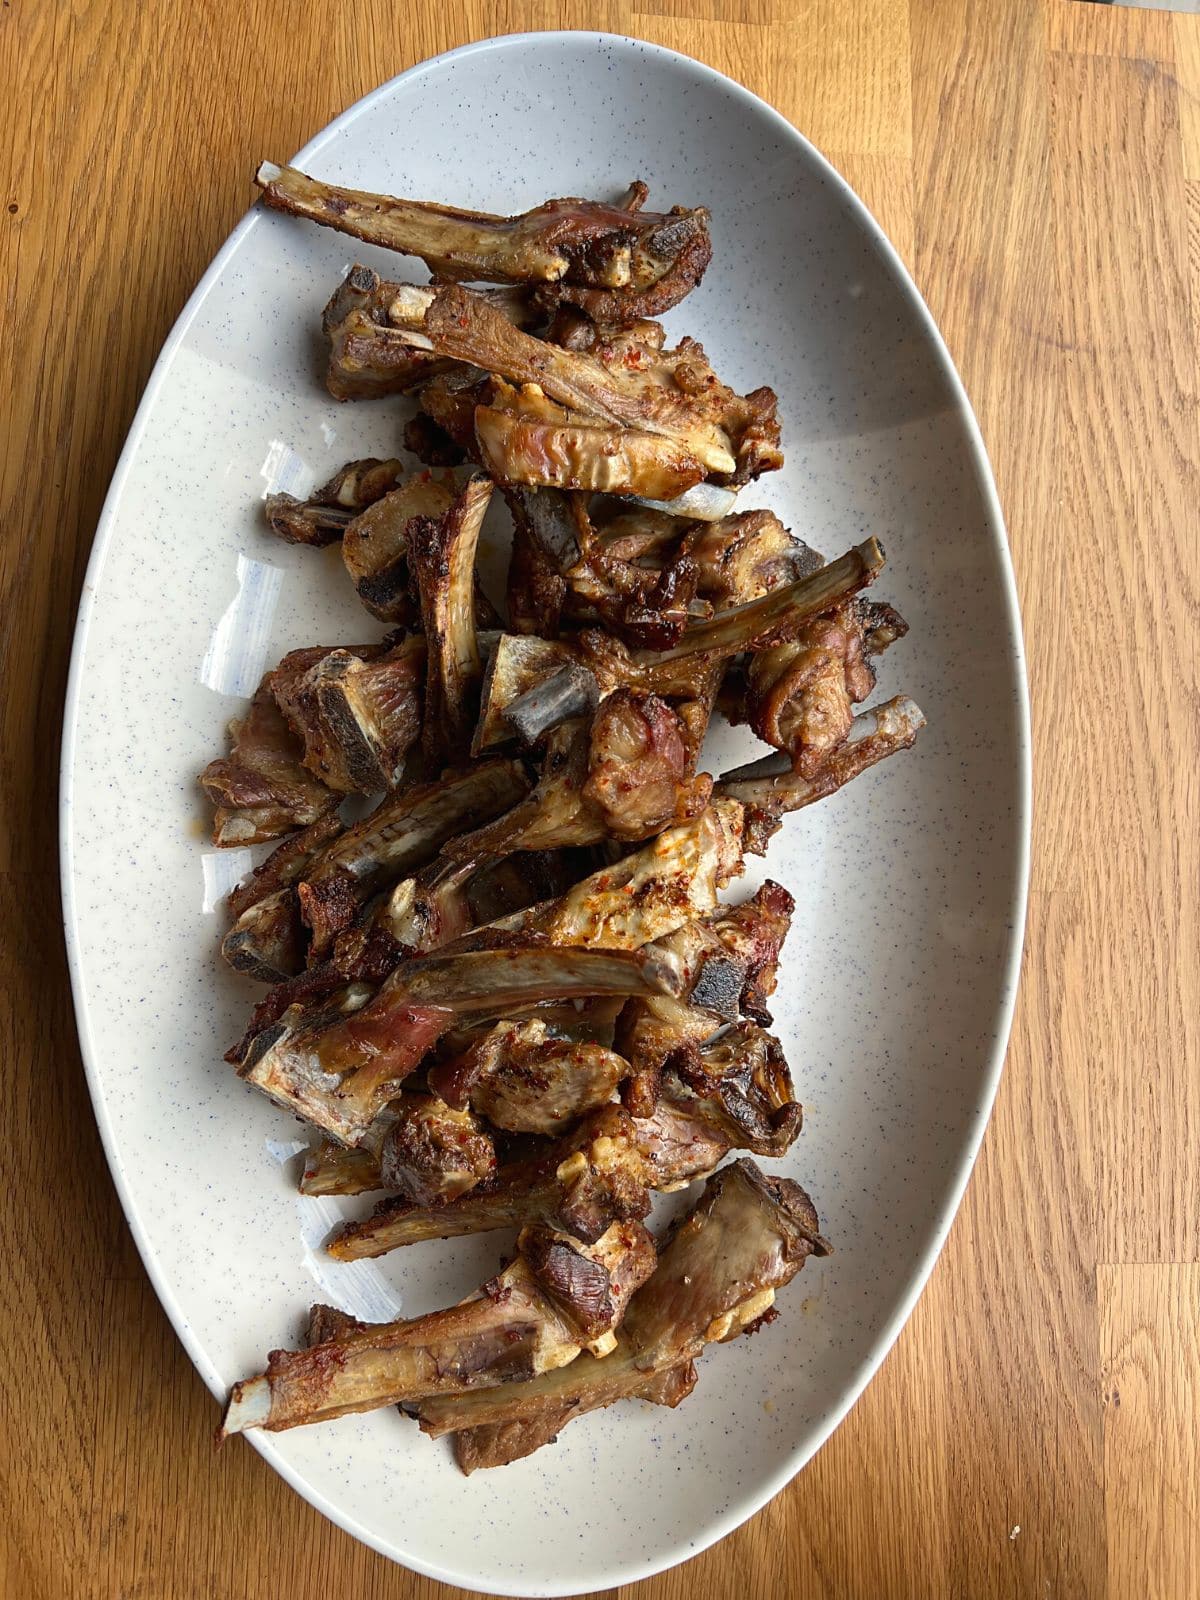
column 1037, row 162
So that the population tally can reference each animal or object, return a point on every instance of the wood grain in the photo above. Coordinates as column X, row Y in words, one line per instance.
column 1038, row 164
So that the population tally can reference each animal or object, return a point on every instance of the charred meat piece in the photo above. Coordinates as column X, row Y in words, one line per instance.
column 261, row 789
column 375, row 546
column 402, row 834
column 606, row 1167
column 527, row 1078
column 557, row 1298
column 727, row 962
column 717, row 1276
column 653, row 425
column 738, row 1085
column 548, row 530
column 323, row 518
column 268, row 939
column 340, row 1065
column 369, row 354
column 447, row 899
column 584, row 1182
column 570, row 242
column 441, row 557
column 647, row 894
column 625, row 773
column 357, row 712
column 771, row 787
column 285, row 864
column 744, row 556
column 430, row 442
column 800, row 695
column 433, row 1152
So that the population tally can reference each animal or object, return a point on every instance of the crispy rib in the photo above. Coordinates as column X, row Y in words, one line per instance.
column 717, row 1276
column 770, row 787
column 569, row 241
column 624, row 773
column 557, row 1297
column 674, row 396
column 358, row 713
column 323, row 518
column 432, row 1152
column 403, row 833
column 375, row 546
column 584, row 1182
column 735, row 1093
column 800, row 695
column 777, row 614
column 526, row 1077
column 261, row 789
column 441, row 555
column 340, row 1065
column 368, row 354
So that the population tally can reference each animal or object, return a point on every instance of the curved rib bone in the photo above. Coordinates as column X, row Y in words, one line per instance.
column 557, row 1298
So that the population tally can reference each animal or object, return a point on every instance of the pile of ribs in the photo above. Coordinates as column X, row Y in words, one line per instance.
column 511, row 994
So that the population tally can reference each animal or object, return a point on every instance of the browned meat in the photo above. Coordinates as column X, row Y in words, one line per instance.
column 369, row 354
column 375, row 546
column 441, row 557
column 261, row 789
column 734, row 1093
column 771, row 787
column 584, row 1182
column 558, row 1297
column 528, row 1078
column 284, row 865
column 433, row 1152
column 638, row 263
column 800, row 695
column 358, row 712
column 647, row 894
column 624, row 773
column 653, row 424
column 430, row 442
column 402, row 834
column 744, row 556
column 323, row 518
column 717, row 1276
column 339, row 1064
column 269, row 940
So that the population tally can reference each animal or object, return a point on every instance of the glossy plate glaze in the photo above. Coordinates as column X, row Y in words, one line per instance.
column 898, row 978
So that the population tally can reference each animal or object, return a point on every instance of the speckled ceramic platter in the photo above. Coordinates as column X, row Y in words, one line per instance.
column 898, row 978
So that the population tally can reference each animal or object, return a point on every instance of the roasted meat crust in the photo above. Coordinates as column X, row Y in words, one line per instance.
column 717, row 1276
column 261, row 789
column 626, row 254
column 558, row 1297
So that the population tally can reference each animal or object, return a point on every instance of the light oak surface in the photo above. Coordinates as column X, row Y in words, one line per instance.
column 1036, row 1431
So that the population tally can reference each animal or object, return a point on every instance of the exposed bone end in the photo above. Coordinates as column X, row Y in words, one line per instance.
column 570, row 692
column 603, row 1346
column 249, row 1407
column 267, row 174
